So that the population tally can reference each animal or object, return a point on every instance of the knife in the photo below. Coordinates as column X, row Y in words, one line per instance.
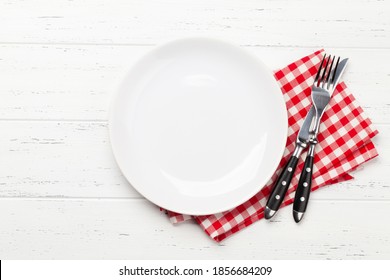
column 280, row 188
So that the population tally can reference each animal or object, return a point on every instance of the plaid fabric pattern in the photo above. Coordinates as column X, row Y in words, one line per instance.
column 344, row 144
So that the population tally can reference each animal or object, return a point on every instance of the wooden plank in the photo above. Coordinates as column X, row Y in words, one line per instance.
column 74, row 159
column 135, row 229
column 250, row 22
column 77, row 82
column 59, row 159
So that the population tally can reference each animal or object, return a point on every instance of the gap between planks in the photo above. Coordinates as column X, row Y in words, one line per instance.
column 68, row 198
column 98, row 121
column 161, row 43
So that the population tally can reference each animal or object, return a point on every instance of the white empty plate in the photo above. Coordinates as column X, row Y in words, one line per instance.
column 198, row 126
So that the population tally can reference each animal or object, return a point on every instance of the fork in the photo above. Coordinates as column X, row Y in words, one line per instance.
column 324, row 85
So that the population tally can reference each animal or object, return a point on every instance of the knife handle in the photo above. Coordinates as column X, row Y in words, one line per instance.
column 280, row 188
column 302, row 193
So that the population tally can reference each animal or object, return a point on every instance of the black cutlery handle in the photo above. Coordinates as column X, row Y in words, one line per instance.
column 302, row 193
column 280, row 188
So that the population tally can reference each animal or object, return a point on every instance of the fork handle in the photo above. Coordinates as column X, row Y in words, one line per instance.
column 279, row 191
column 302, row 193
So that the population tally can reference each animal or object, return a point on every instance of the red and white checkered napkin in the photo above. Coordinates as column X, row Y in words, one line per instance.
column 344, row 144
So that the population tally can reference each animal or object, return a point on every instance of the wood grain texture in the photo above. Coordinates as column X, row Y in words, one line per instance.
column 128, row 229
column 77, row 82
column 248, row 22
column 60, row 159
column 62, row 196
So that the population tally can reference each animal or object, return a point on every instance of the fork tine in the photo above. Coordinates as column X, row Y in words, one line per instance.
column 335, row 69
column 322, row 79
column 319, row 69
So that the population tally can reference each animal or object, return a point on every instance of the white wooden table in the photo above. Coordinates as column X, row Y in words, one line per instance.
column 61, row 193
